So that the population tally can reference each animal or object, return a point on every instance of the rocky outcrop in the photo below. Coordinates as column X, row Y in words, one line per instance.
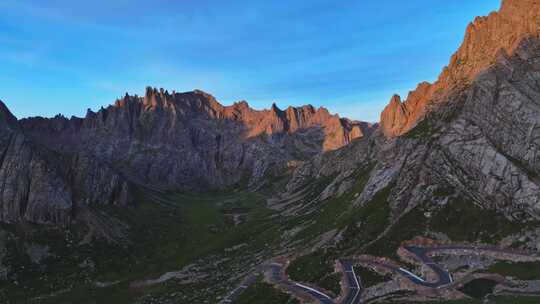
column 483, row 143
column 394, row 116
column 494, row 140
column 41, row 186
column 485, row 39
column 178, row 141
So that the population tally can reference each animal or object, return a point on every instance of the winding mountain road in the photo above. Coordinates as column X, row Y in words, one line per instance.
column 444, row 277
column 277, row 277
column 421, row 254
column 353, row 286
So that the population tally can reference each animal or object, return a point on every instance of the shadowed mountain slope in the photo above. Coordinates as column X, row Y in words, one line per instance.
column 188, row 140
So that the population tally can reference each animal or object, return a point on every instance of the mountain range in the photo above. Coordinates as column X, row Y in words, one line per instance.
column 462, row 151
column 178, row 141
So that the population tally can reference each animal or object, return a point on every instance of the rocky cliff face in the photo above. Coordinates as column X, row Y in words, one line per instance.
column 190, row 141
column 474, row 133
column 485, row 38
column 41, row 186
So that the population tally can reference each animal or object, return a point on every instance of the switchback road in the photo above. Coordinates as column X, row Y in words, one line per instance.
column 353, row 286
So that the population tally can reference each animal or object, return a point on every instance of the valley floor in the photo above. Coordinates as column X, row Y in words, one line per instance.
column 234, row 248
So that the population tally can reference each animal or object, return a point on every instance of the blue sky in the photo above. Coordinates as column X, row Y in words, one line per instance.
column 60, row 56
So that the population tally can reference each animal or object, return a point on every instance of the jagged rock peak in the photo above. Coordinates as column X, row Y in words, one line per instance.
column 396, row 100
column 178, row 109
column 275, row 108
column 7, row 119
column 486, row 38
column 393, row 116
column 242, row 104
column 517, row 7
